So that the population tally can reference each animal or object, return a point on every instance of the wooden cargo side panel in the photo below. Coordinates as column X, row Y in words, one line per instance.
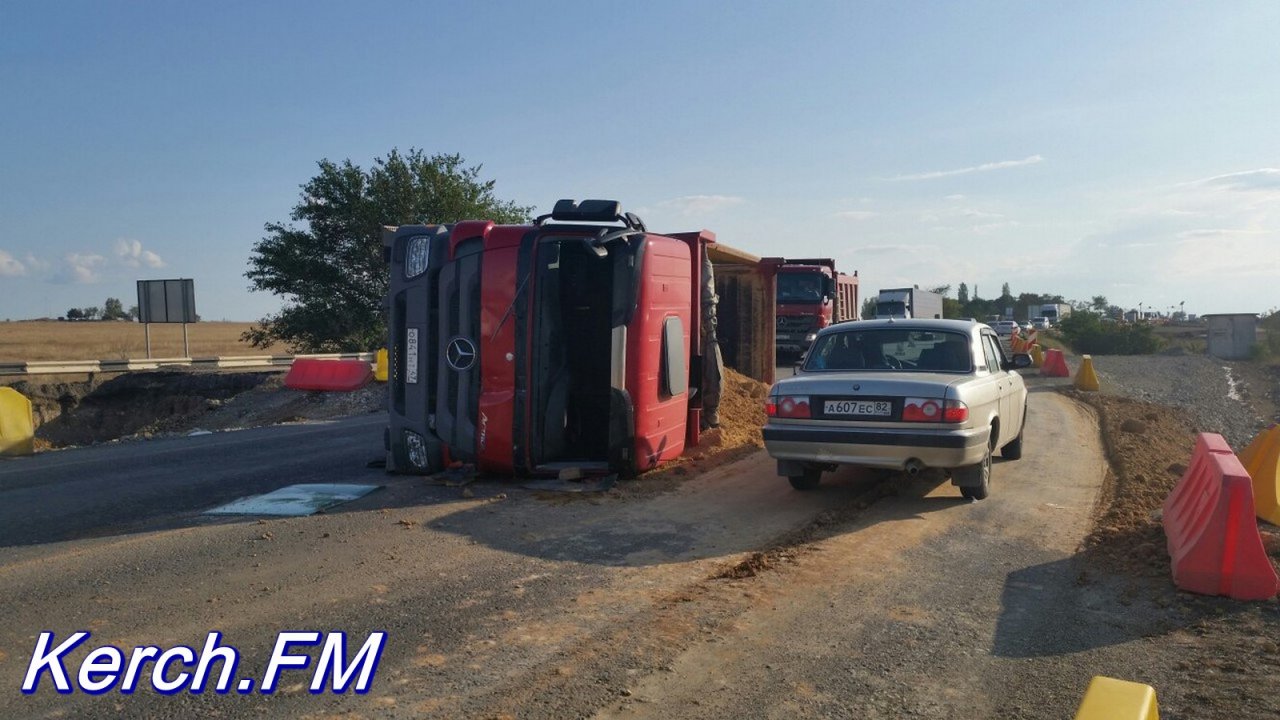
column 746, row 319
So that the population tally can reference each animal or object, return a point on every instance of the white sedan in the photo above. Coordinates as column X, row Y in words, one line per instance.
column 902, row 395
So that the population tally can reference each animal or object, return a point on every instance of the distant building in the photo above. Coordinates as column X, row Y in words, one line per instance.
column 1232, row 335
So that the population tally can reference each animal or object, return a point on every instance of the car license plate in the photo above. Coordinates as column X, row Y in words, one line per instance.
column 411, row 356
column 863, row 408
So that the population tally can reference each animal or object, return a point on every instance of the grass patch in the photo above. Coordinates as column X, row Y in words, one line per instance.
column 27, row 341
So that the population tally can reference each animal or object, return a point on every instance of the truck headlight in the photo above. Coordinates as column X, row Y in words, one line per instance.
column 417, row 256
column 810, row 337
column 416, row 449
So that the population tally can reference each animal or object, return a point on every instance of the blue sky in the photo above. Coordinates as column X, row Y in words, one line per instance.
column 1121, row 149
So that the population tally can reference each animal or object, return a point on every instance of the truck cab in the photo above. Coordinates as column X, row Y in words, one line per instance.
column 811, row 295
column 527, row 349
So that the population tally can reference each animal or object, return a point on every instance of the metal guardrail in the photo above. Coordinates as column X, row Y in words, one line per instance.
column 66, row 367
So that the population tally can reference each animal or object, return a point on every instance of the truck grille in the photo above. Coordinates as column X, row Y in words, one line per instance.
column 458, row 390
column 792, row 324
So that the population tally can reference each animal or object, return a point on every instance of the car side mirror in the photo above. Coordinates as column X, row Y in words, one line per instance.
column 1019, row 361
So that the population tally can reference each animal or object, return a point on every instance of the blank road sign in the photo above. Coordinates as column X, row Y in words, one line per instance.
column 166, row 301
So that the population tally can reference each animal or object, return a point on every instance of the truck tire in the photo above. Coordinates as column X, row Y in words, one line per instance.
column 975, row 480
column 809, row 480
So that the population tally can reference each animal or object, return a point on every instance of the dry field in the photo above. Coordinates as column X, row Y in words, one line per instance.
column 52, row 340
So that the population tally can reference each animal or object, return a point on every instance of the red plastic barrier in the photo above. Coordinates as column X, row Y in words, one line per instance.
column 1206, row 444
column 1055, row 364
column 1211, row 529
column 339, row 375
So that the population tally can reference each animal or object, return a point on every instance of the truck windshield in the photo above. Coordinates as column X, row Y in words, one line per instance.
column 896, row 350
column 800, row 287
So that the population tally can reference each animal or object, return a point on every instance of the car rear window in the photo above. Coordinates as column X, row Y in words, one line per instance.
column 892, row 349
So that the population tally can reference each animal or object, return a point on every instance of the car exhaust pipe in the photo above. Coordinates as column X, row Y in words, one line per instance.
column 913, row 467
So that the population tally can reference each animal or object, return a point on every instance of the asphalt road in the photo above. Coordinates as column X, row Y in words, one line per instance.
column 878, row 597
column 132, row 486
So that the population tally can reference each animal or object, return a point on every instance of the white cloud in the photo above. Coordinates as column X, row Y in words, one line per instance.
column 34, row 263
column 954, row 198
column 1260, row 179
column 856, row 214
column 10, row 266
column 980, row 214
column 884, row 249
column 700, row 204
column 926, row 250
column 985, row 167
column 79, row 268
column 133, row 255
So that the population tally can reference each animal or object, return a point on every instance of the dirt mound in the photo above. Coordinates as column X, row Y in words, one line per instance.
column 1149, row 447
column 96, row 411
column 176, row 401
column 740, row 433
column 742, row 410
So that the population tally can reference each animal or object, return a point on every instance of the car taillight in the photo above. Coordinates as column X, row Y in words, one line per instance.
column 933, row 410
column 795, row 407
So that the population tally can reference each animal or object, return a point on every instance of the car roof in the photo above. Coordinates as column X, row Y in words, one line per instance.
column 963, row 326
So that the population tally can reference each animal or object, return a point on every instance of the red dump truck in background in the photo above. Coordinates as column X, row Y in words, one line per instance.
column 811, row 295
column 580, row 341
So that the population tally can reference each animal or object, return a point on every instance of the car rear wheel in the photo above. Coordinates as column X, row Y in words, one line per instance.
column 808, row 480
column 975, row 480
column 1013, row 451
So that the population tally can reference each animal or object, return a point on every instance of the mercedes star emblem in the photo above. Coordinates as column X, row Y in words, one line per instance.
column 461, row 354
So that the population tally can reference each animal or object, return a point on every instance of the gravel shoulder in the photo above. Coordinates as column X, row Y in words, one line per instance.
column 1233, row 399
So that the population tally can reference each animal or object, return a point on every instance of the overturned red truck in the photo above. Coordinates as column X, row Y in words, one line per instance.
column 583, row 340
column 811, row 294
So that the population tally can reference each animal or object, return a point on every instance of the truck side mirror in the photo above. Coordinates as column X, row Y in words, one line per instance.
column 828, row 286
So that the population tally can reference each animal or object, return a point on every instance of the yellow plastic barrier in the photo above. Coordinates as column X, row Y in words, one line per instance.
column 1111, row 699
column 1262, row 460
column 1086, row 378
column 17, row 426
column 380, row 366
column 1037, row 356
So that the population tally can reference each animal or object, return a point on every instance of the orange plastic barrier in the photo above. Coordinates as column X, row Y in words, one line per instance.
column 1211, row 530
column 1055, row 364
column 1206, row 444
column 339, row 375
column 1262, row 460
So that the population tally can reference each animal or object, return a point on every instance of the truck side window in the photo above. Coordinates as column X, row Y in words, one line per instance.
column 672, row 380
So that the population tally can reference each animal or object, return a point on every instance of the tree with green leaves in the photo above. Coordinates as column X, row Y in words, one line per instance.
column 869, row 308
column 329, row 269
column 113, row 309
column 962, row 294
